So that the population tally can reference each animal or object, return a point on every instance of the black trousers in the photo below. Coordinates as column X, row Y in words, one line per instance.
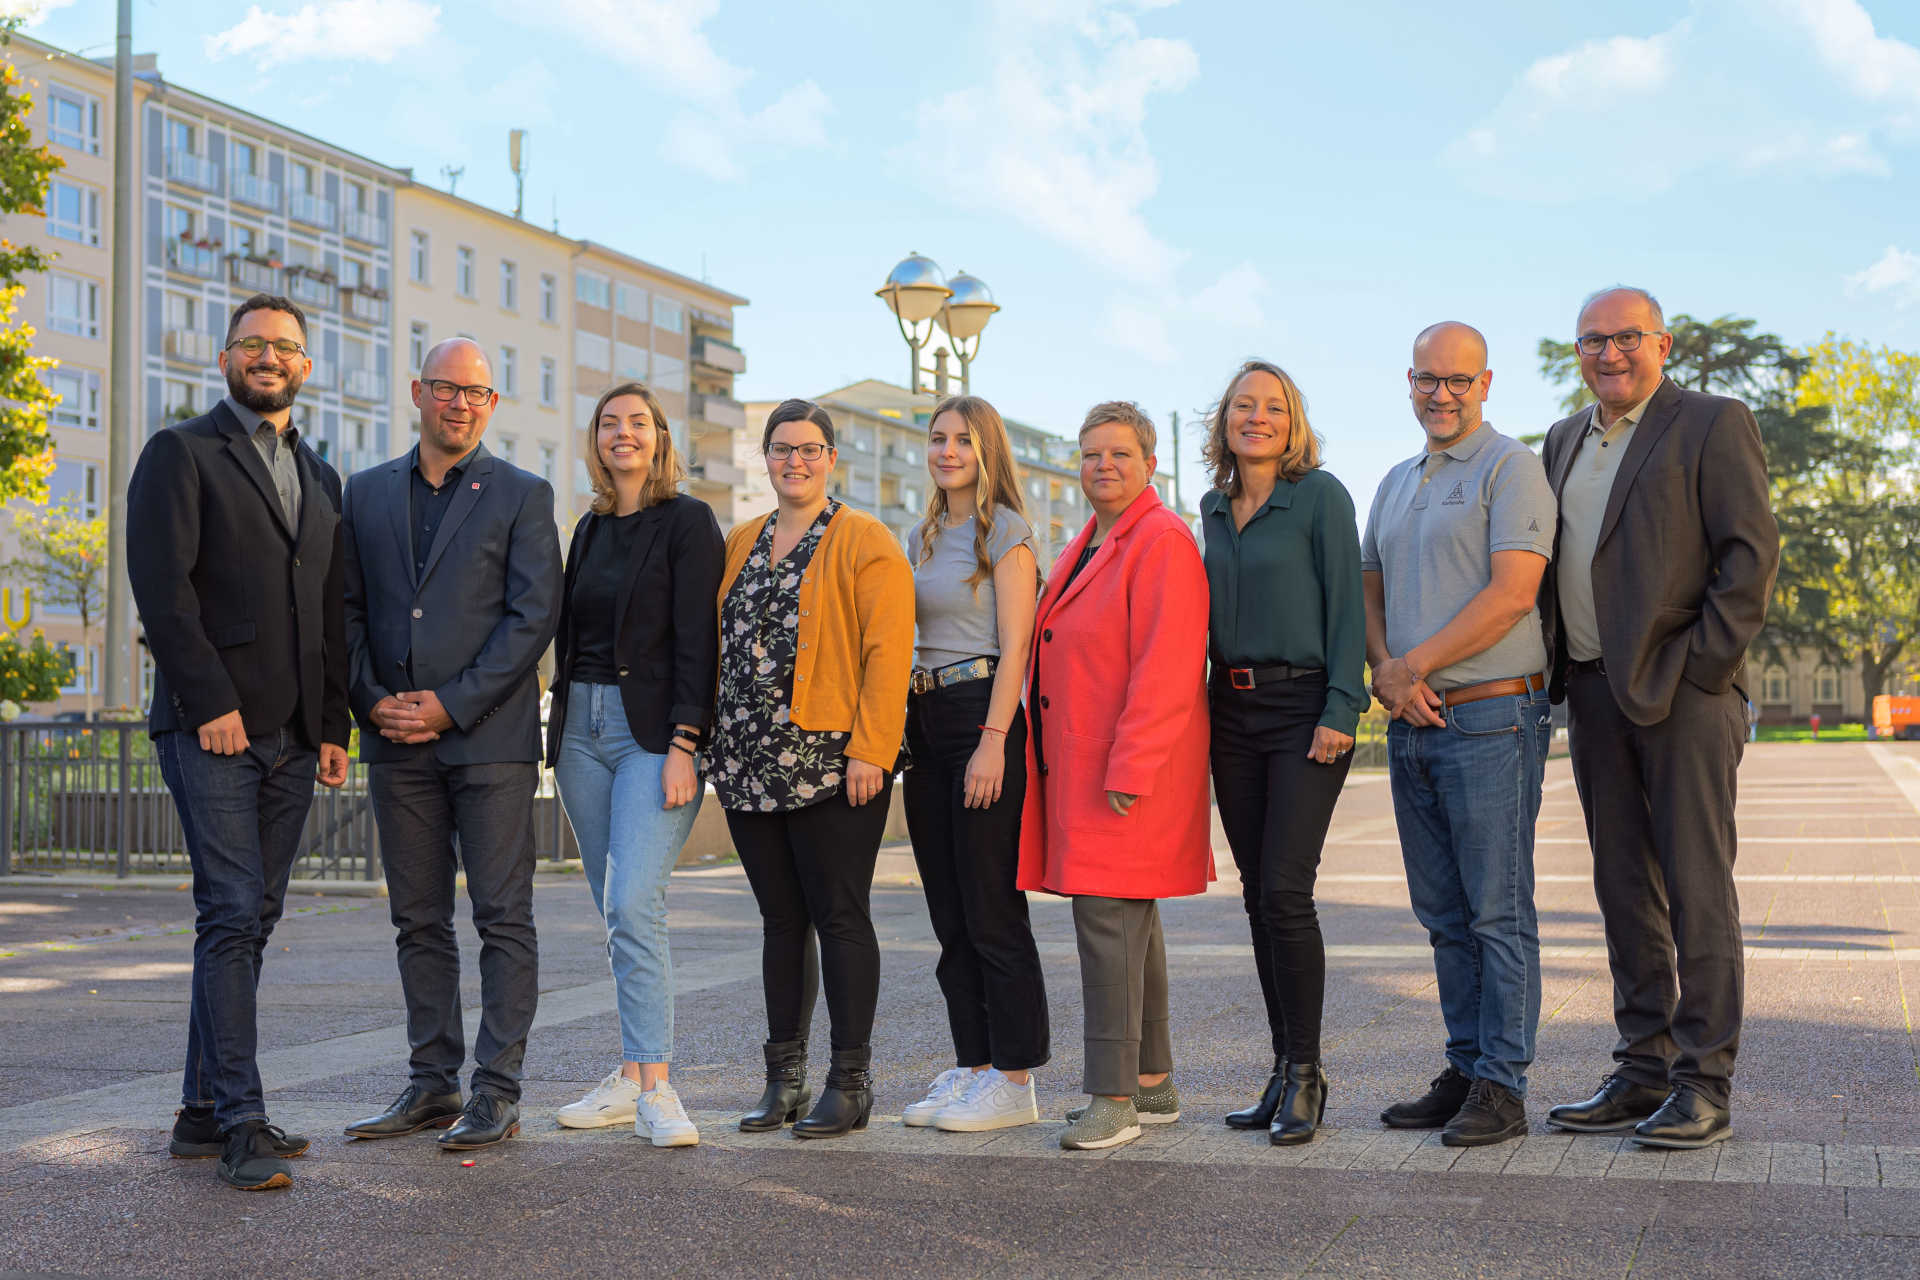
column 421, row 806
column 1659, row 806
column 812, row 872
column 1275, row 806
column 989, row 969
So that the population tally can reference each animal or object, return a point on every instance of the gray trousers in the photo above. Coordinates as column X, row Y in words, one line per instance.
column 1123, row 984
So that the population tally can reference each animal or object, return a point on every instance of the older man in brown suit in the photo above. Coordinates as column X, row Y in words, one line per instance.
column 1666, row 555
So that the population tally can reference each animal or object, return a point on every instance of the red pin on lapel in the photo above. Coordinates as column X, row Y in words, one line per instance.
column 476, row 484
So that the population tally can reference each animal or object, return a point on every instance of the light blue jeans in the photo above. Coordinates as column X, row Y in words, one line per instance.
column 629, row 843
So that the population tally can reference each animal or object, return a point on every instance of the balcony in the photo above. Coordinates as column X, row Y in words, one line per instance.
column 365, row 384
column 190, row 346
column 251, row 188
column 304, row 206
column 716, row 354
column 254, row 277
column 321, row 379
column 190, row 168
column 192, row 259
column 365, row 227
column 900, row 461
column 314, row 291
column 718, row 411
column 365, row 307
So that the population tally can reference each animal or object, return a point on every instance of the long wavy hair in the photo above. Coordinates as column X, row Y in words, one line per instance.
column 998, row 486
column 664, row 474
column 1302, row 453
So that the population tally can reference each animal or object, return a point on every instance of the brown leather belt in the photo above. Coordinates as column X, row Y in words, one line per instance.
column 1512, row 687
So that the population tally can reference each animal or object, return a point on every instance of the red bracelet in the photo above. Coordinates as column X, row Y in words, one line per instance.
column 987, row 728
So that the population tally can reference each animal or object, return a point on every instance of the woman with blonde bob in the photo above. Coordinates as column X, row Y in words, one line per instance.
column 1287, row 642
column 975, row 578
column 634, row 668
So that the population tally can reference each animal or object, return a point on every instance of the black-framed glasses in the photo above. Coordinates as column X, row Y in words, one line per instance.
column 1460, row 383
column 444, row 391
column 811, row 451
column 284, row 348
column 1626, row 340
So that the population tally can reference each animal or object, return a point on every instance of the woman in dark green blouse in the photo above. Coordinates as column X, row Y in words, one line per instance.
column 1288, row 644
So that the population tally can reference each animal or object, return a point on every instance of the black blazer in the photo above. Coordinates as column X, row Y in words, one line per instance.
column 666, row 631
column 472, row 627
column 1687, row 553
column 241, row 612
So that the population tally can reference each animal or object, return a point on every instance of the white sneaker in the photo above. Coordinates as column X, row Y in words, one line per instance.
column 947, row 1088
column 610, row 1103
column 658, row 1115
column 992, row 1101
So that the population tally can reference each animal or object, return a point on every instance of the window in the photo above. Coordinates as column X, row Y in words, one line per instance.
column 509, row 285
column 669, row 373
column 592, row 288
column 76, row 484
column 85, row 668
column 549, row 379
column 1776, row 686
column 243, row 239
column 73, row 119
column 354, row 273
column 910, row 499
column 245, row 157
column 73, row 305
column 73, row 212
column 631, row 302
column 509, row 372
column 1826, row 683
column 549, row 299
column 583, row 406
column 592, row 351
column 417, row 257
column 179, row 136
column 463, row 271
column 548, row 457
column 416, row 345
column 79, row 392
column 300, row 178
column 177, row 311
column 668, row 315
column 630, row 361
column 510, row 449
column 176, row 400
column 356, row 197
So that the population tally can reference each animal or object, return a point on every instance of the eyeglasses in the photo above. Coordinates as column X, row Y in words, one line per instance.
column 1460, row 383
column 284, row 348
column 445, row 391
column 1626, row 340
column 811, row 451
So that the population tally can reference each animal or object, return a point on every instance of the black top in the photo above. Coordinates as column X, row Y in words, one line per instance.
column 595, row 595
column 427, row 506
column 761, row 760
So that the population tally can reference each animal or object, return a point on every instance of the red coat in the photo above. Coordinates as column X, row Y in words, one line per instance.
column 1121, row 689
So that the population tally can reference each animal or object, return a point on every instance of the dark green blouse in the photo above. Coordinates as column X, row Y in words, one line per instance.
column 1286, row 589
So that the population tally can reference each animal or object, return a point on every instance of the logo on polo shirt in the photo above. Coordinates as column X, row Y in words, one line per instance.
column 1533, row 524
column 1456, row 496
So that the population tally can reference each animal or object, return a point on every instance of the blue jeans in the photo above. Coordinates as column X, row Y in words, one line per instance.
column 1466, row 796
column 629, row 842
column 242, row 816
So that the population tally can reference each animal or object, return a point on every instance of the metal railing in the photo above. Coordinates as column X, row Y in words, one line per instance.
column 365, row 227
column 190, row 258
column 304, row 206
column 365, row 384
column 364, row 307
column 256, row 276
column 251, row 188
column 192, row 169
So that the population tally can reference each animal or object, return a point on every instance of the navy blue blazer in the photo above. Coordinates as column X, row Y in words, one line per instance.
column 472, row 627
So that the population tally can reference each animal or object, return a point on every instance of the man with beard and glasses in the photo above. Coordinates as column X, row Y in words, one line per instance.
column 453, row 593
column 1451, row 564
column 233, row 549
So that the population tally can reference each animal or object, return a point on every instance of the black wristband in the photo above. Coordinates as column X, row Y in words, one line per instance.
column 682, row 744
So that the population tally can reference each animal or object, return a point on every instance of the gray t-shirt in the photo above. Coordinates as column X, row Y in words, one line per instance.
column 953, row 620
column 1436, row 522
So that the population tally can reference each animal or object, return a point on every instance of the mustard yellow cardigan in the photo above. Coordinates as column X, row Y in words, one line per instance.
column 856, row 632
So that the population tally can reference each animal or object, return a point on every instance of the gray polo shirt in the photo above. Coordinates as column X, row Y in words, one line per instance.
column 1583, row 505
column 1436, row 522
column 277, row 450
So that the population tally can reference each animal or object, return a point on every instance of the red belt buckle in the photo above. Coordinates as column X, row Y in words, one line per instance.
column 1240, row 677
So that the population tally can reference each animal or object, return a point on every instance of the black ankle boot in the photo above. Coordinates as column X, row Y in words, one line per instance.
column 786, row 1093
column 1260, row 1114
column 1302, row 1107
column 846, row 1101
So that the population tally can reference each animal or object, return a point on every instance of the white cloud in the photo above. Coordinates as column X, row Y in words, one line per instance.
column 29, row 12
column 1897, row 272
column 347, row 30
column 1879, row 67
column 1234, row 299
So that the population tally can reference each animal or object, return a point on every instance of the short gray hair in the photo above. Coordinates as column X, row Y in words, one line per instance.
column 1659, row 315
column 1126, row 413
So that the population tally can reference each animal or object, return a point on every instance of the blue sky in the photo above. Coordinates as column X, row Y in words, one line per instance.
column 1153, row 190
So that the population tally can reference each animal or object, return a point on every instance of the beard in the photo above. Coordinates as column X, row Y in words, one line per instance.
column 263, row 401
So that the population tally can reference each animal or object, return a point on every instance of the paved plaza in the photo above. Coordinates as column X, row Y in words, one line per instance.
column 1822, row 1177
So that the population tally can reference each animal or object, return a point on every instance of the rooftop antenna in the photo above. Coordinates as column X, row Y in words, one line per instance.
column 452, row 174
column 517, row 162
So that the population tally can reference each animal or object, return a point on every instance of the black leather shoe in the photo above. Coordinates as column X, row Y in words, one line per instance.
column 1620, row 1104
column 197, row 1137
column 786, row 1094
column 1302, row 1106
column 486, row 1120
column 248, row 1160
column 1446, row 1095
column 1685, row 1121
column 415, row 1109
column 846, row 1101
column 1492, row 1113
column 1260, row 1114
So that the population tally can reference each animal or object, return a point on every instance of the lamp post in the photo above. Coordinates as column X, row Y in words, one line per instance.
column 921, row 300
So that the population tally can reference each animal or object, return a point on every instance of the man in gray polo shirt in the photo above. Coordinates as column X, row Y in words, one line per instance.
column 1456, row 543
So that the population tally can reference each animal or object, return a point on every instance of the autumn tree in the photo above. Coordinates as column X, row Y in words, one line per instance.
column 26, row 450
column 63, row 561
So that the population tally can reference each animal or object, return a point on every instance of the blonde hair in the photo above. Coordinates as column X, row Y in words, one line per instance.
column 1127, row 414
column 1302, row 453
column 665, row 472
column 998, row 486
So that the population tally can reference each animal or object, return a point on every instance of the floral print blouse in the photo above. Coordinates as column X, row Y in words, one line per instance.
column 759, row 760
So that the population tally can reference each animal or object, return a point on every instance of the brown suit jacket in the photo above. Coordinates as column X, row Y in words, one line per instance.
column 1687, row 552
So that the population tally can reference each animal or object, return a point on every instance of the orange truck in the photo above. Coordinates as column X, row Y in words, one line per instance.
column 1896, row 717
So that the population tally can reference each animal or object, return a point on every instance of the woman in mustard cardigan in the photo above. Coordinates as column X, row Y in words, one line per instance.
column 816, row 645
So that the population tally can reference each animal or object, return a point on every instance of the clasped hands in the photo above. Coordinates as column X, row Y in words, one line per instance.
column 1406, row 695
column 411, row 718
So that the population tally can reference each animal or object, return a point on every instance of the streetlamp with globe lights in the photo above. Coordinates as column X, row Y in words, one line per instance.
column 921, row 299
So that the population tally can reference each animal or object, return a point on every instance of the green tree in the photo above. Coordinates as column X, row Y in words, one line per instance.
column 63, row 561
column 34, row 671
column 26, row 450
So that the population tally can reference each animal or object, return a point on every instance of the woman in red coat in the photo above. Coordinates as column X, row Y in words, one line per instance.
column 1116, row 813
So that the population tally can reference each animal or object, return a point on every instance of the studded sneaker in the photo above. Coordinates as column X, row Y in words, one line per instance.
column 1157, row 1105
column 1101, row 1123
